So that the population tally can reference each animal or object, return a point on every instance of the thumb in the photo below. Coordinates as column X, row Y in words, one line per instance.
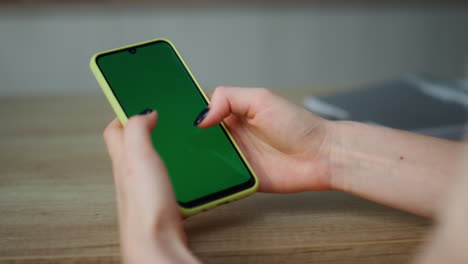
column 137, row 133
column 243, row 102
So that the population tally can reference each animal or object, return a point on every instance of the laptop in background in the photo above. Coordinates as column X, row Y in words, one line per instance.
column 430, row 107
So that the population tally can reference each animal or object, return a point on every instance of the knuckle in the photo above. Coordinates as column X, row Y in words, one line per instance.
column 107, row 132
column 263, row 93
column 220, row 90
column 132, row 124
column 221, row 87
column 134, row 121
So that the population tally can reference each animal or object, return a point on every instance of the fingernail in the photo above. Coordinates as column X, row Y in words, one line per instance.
column 201, row 116
column 147, row 111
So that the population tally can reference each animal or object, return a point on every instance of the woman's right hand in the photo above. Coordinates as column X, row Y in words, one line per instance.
column 286, row 145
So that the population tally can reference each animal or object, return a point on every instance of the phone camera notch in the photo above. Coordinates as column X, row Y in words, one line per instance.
column 132, row 50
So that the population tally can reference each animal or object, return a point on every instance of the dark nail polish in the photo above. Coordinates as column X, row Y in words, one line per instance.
column 147, row 111
column 201, row 116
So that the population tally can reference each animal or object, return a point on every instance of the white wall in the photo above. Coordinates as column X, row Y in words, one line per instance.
column 46, row 51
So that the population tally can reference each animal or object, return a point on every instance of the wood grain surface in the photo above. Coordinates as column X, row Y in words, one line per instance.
column 57, row 202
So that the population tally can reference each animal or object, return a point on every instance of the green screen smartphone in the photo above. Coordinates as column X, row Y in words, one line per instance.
column 206, row 166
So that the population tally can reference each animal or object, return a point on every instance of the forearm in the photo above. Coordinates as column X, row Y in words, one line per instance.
column 449, row 241
column 404, row 170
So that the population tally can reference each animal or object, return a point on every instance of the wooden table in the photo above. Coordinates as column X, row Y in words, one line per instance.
column 57, row 203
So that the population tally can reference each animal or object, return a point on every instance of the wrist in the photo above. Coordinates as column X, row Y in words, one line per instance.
column 358, row 153
column 156, row 238
column 173, row 250
column 164, row 247
column 341, row 158
column 327, row 158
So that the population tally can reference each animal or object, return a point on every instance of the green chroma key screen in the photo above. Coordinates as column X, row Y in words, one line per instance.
column 203, row 164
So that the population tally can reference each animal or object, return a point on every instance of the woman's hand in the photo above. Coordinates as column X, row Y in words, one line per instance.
column 151, row 228
column 293, row 150
column 285, row 144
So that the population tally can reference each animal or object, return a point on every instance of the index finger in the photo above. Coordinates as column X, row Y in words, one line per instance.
column 245, row 102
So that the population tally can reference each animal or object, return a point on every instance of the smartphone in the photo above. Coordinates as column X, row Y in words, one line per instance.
column 206, row 167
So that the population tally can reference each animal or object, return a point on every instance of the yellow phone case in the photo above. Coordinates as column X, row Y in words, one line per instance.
column 123, row 118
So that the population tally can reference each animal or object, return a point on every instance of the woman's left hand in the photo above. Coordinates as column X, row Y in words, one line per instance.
column 151, row 227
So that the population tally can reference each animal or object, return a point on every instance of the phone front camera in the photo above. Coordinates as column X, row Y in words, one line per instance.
column 132, row 50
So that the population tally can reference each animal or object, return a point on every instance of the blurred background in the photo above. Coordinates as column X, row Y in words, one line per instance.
column 280, row 45
column 409, row 57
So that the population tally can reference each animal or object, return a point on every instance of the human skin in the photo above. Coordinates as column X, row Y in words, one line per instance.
column 151, row 229
column 393, row 167
column 291, row 150
column 449, row 241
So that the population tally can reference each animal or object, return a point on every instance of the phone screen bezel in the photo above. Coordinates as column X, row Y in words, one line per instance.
column 210, row 197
